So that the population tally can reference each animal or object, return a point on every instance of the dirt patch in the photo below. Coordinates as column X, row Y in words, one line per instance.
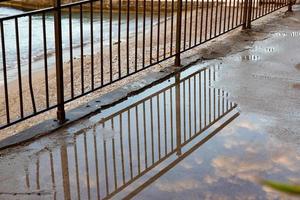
column 298, row 66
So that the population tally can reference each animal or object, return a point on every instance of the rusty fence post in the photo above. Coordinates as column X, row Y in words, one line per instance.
column 59, row 63
column 178, row 32
column 247, row 14
column 290, row 6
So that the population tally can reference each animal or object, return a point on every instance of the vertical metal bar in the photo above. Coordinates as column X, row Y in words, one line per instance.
column 241, row 12
column 81, row 50
column 158, row 32
column 151, row 32
column 191, row 24
column 225, row 16
column 178, row 33
column 127, row 36
column 59, row 63
column 245, row 14
column 229, row 16
column 19, row 68
column 201, row 24
column 249, row 14
column 237, row 12
column 136, row 35
column 185, row 23
column 101, row 42
column 196, row 22
column 30, row 63
column 92, row 44
column 221, row 16
column 216, row 18
column 233, row 14
column 71, row 52
column 211, row 19
column 206, row 21
column 144, row 32
column 45, row 58
column 110, row 42
column 119, row 38
column 172, row 23
column 165, row 28
column 290, row 6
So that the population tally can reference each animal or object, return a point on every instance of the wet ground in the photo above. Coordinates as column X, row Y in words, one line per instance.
column 212, row 131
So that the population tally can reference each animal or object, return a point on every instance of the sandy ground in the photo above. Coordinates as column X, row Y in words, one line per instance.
column 39, row 78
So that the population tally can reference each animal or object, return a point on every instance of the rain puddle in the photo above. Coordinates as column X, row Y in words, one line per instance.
column 123, row 149
column 180, row 139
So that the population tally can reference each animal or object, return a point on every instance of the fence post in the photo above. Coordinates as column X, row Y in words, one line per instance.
column 290, row 9
column 247, row 14
column 59, row 63
column 178, row 32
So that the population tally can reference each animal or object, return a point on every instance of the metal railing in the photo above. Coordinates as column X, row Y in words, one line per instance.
column 94, row 43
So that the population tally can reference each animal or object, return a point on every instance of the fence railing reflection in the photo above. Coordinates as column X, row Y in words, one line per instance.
column 102, row 160
column 95, row 43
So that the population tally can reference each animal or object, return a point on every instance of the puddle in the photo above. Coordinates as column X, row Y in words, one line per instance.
column 123, row 144
column 179, row 139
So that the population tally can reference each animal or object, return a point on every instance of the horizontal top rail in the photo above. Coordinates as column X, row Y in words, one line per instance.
column 47, row 9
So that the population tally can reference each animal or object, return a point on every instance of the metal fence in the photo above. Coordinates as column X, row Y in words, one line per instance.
column 95, row 43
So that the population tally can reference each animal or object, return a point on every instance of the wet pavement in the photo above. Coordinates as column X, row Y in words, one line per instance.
column 212, row 131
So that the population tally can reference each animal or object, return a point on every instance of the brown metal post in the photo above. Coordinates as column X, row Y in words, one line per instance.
column 249, row 14
column 245, row 14
column 178, row 32
column 59, row 63
column 290, row 9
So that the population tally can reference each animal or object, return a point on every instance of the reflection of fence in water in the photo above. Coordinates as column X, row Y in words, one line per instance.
column 118, row 150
